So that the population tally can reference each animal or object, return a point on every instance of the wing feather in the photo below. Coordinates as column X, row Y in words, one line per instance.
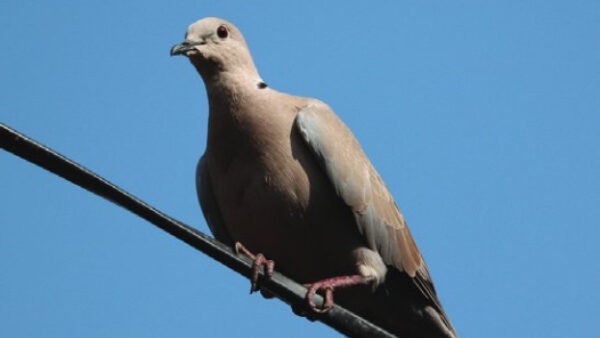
column 209, row 205
column 357, row 182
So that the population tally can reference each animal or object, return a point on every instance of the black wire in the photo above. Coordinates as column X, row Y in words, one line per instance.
column 282, row 287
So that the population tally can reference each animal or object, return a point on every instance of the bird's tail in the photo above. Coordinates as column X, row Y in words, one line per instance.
column 412, row 308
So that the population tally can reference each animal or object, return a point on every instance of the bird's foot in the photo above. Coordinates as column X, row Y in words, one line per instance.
column 328, row 286
column 259, row 262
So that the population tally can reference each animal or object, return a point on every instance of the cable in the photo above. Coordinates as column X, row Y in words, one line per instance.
column 282, row 287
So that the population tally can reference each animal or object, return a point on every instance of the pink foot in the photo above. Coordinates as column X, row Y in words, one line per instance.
column 259, row 261
column 328, row 286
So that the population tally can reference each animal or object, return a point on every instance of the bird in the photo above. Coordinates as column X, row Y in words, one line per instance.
column 283, row 176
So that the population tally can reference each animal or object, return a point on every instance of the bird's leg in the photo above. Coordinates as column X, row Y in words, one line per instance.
column 259, row 261
column 328, row 286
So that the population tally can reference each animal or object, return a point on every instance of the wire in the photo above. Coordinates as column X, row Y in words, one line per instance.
column 282, row 287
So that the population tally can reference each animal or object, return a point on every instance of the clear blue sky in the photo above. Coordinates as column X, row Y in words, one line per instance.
column 483, row 119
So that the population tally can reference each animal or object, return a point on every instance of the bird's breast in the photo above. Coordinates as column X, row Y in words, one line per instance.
column 260, row 187
column 275, row 199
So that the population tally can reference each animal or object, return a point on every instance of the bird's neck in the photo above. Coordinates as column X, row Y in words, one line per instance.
column 228, row 93
column 230, row 96
column 235, row 82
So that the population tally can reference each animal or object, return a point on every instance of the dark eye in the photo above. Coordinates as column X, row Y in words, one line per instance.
column 222, row 32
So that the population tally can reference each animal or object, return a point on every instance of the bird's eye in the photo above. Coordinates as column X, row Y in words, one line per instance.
column 222, row 32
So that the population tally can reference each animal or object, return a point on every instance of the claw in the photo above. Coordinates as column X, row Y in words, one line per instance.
column 328, row 298
column 261, row 262
column 328, row 286
column 258, row 261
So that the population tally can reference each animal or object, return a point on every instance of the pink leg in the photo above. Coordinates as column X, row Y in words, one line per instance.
column 329, row 285
column 259, row 261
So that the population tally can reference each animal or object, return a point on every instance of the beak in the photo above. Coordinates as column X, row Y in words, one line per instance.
column 184, row 47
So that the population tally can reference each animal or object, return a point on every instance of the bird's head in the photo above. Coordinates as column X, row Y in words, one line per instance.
column 214, row 46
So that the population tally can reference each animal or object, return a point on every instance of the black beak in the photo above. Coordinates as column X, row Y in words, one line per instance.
column 184, row 47
column 181, row 48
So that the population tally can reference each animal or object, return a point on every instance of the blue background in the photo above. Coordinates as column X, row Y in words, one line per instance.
column 483, row 118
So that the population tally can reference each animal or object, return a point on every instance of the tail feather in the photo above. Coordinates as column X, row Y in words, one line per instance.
column 409, row 307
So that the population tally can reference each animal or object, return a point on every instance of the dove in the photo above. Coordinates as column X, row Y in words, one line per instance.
column 283, row 177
